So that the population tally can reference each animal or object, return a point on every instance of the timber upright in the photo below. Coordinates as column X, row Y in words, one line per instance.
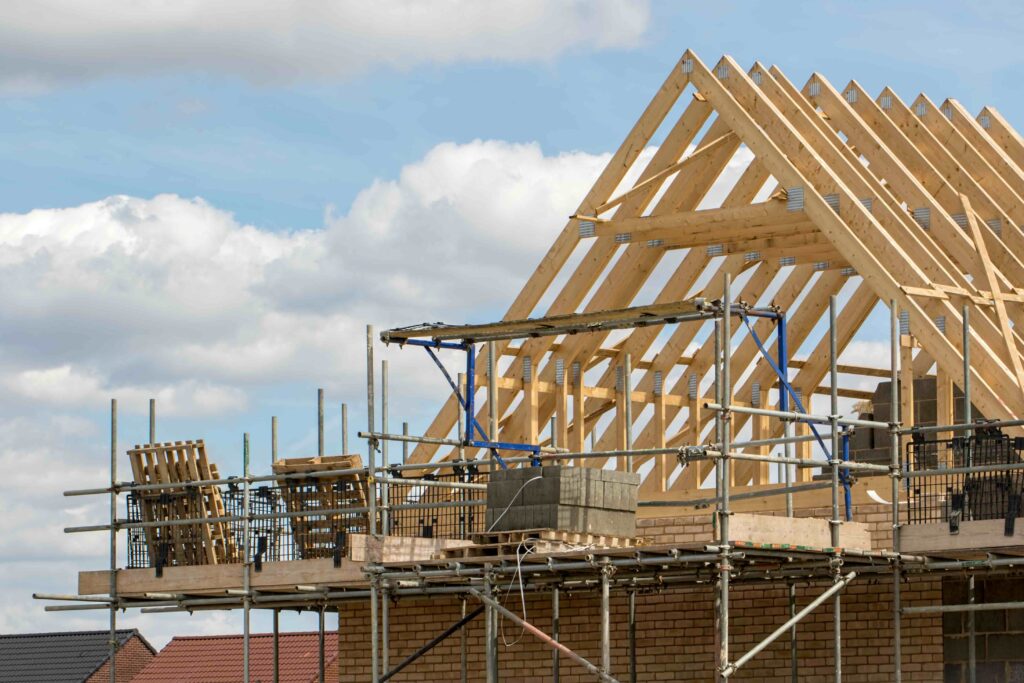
column 736, row 515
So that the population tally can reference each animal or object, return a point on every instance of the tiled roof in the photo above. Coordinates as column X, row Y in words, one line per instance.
column 218, row 659
column 56, row 657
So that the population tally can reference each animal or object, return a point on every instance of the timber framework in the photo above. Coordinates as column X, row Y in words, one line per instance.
column 685, row 328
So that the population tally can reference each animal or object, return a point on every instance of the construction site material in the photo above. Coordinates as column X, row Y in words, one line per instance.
column 698, row 396
column 581, row 499
column 178, row 466
column 316, row 533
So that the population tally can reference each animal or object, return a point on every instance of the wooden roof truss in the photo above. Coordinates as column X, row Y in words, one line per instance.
column 870, row 199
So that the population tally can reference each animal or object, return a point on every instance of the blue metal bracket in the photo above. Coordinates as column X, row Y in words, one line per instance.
column 466, row 402
column 781, row 370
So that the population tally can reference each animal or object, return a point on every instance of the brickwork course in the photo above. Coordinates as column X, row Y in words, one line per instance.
column 675, row 627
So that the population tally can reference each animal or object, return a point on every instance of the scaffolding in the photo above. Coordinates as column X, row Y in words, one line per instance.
column 264, row 531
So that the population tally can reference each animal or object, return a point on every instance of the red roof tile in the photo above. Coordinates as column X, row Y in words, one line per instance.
column 218, row 659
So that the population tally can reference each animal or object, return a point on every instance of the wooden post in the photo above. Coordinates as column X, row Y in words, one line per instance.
column 907, row 380
column 761, row 429
column 532, row 400
column 561, row 435
column 579, row 428
column 662, row 470
column 944, row 412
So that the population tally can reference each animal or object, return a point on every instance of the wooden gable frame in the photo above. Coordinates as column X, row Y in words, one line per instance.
column 841, row 194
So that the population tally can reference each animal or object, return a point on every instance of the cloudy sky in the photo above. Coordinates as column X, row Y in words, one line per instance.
column 207, row 202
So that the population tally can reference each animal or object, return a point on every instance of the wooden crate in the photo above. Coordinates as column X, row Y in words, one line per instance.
column 203, row 542
column 316, row 535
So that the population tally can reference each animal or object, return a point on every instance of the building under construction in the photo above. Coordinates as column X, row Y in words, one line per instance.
column 658, row 465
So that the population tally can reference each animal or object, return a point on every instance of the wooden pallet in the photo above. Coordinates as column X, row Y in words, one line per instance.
column 538, row 541
column 182, row 462
column 567, row 537
column 316, row 535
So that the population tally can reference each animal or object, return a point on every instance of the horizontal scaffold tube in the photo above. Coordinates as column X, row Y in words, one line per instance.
column 973, row 607
column 932, row 429
column 122, row 524
column 799, row 462
column 711, row 500
column 799, row 417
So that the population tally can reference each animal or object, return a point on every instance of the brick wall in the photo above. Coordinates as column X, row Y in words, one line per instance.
column 675, row 637
column 999, row 634
column 131, row 658
column 675, row 628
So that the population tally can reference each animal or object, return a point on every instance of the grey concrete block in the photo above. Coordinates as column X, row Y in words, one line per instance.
column 610, row 523
column 593, row 493
column 551, row 471
column 541, row 491
column 616, row 496
column 621, row 477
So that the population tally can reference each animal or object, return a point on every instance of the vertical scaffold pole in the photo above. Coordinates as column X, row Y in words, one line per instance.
column 463, row 652
column 245, row 558
column 788, row 432
column 631, row 596
column 405, row 444
column 968, row 417
column 490, row 637
column 277, row 613
column 631, row 634
column 322, row 668
column 894, row 466
column 555, row 624
column 794, row 663
column 385, row 496
column 273, row 439
column 320, row 422
column 461, row 454
column 385, row 499
column 834, row 522
column 371, row 520
column 972, row 658
column 723, row 524
column 606, row 627
column 717, row 388
column 277, row 646
column 492, row 397
column 344, row 429
column 113, row 540
column 627, row 417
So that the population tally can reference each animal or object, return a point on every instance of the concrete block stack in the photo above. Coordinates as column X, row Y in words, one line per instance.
column 577, row 499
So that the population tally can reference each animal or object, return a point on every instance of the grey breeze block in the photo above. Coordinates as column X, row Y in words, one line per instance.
column 579, row 499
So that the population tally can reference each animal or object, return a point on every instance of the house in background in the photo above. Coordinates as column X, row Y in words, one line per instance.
column 218, row 659
column 72, row 657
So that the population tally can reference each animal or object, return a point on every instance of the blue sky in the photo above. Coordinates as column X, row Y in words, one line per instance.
column 276, row 154
column 208, row 205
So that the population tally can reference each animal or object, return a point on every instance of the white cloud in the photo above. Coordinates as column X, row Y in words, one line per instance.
column 69, row 387
column 173, row 298
column 48, row 42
